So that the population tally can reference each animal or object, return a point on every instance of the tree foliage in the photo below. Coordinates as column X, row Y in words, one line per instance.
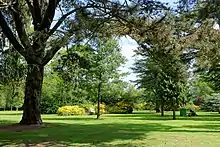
column 162, row 65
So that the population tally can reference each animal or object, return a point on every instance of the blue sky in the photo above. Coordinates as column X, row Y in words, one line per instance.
column 128, row 46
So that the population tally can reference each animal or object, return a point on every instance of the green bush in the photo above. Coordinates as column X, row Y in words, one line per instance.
column 149, row 106
column 87, row 106
column 71, row 110
column 144, row 106
column 121, row 108
column 48, row 106
column 192, row 106
column 211, row 105
column 139, row 106
column 115, row 110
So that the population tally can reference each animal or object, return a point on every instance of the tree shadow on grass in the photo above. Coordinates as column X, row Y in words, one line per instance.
column 139, row 116
column 154, row 116
column 71, row 118
column 142, row 116
column 63, row 134
column 90, row 134
column 211, row 127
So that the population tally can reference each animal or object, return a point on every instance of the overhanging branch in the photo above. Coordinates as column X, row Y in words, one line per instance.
column 49, row 14
column 60, row 21
column 36, row 14
column 8, row 33
column 20, row 26
column 54, row 49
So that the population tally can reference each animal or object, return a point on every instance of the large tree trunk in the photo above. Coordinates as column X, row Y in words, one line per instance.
column 34, row 80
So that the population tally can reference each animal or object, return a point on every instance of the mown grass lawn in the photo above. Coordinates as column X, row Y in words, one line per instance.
column 141, row 129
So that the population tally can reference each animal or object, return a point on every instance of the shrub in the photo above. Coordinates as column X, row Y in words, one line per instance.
column 102, row 109
column 121, row 108
column 139, row 106
column 193, row 107
column 211, row 105
column 126, row 106
column 149, row 106
column 71, row 110
column 88, row 107
column 198, row 101
column 115, row 110
column 48, row 106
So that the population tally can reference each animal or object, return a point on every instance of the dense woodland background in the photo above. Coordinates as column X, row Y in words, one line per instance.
column 66, row 53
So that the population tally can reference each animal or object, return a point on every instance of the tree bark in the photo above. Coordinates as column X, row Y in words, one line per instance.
column 99, row 95
column 174, row 109
column 174, row 114
column 162, row 108
column 157, row 108
column 33, row 88
column 98, row 106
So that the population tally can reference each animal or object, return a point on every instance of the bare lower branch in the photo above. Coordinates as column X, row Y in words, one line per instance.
column 20, row 26
column 50, row 54
column 54, row 49
column 36, row 14
column 49, row 14
column 8, row 33
column 60, row 21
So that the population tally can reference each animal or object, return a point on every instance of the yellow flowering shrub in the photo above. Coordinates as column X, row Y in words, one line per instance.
column 102, row 109
column 139, row 106
column 121, row 108
column 193, row 107
column 71, row 110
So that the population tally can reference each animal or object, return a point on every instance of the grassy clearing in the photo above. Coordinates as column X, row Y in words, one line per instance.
column 141, row 129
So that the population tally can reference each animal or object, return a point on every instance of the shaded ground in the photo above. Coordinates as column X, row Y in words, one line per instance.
column 19, row 128
column 141, row 129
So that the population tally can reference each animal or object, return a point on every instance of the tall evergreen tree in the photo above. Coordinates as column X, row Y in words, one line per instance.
column 162, row 68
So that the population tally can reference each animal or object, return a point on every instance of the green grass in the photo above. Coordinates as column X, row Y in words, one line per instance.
column 135, row 130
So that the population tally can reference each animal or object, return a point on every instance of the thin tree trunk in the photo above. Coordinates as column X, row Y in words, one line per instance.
column 11, row 108
column 157, row 106
column 174, row 110
column 33, row 88
column 162, row 108
column 99, row 100
column 174, row 114
column 99, row 95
